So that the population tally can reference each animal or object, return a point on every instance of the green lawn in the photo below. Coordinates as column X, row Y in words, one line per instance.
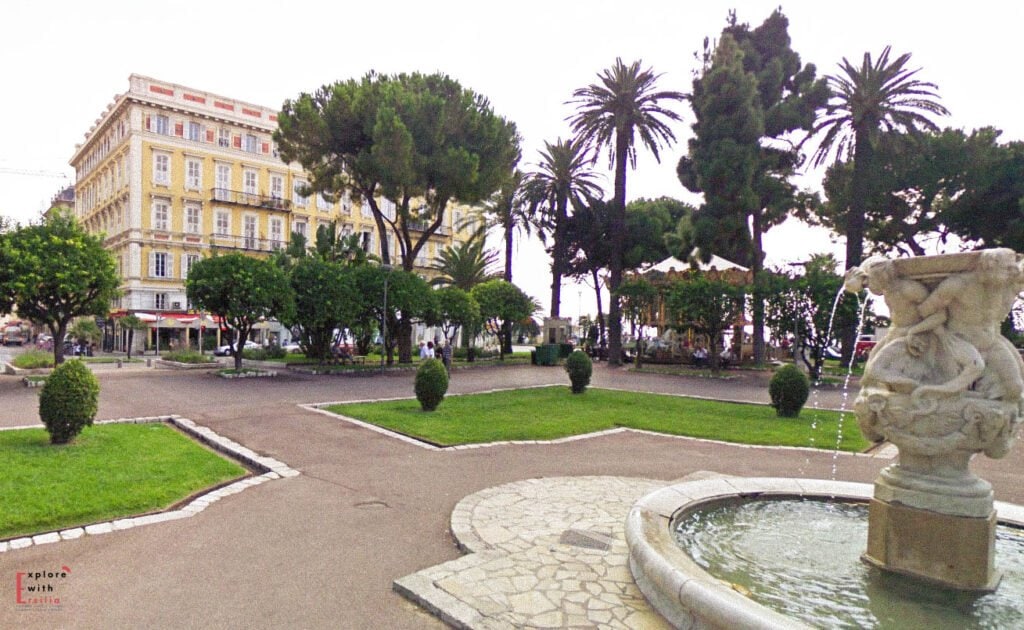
column 109, row 471
column 553, row 412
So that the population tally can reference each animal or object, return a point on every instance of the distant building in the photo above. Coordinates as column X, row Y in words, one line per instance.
column 171, row 174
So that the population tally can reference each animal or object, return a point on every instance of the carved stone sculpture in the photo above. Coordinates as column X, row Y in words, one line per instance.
column 943, row 384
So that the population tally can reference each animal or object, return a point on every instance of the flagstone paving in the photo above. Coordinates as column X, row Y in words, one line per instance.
column 544, row 553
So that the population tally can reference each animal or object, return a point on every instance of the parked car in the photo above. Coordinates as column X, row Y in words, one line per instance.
column 224, row 351
column 864, row 345
column 292, row 347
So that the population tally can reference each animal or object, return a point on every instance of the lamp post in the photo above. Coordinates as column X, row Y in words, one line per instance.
column 384, row 318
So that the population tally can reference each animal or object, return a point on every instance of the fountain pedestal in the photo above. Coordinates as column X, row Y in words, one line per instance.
column 942, row 386
column 952, row 551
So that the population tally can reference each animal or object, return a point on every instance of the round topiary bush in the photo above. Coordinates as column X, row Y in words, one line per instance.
column 69, row 401
column 580, row 367
column 789, row 389
column 431, row 383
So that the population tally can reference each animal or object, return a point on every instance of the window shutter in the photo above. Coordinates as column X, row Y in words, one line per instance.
column 179, row 129
column 147, row 123
column 209, row 135
column 169, row 267
column 266, row 148
column 152, row 264
column 237, row 141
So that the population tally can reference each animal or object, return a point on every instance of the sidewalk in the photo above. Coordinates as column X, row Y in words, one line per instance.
column 321, row 550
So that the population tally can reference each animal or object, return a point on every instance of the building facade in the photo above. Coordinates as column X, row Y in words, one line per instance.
column 170, row 174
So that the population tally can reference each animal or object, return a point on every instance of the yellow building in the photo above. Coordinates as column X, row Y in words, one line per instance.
column 171, row 174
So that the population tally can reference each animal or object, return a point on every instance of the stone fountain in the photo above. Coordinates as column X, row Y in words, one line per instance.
column 943, row 385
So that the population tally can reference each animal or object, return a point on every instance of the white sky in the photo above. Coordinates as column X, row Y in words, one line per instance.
column 62, row 62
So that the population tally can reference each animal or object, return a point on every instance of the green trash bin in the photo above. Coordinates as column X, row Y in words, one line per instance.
column 547, row 354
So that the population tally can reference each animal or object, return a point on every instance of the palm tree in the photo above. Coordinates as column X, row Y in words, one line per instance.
column 612, row 113
column 508, row 209
column 876, row 98
column 563, row 176
column 467, row 264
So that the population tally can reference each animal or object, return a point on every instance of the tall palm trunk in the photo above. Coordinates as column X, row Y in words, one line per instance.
column 558, row 254
column 618, row 234
column 601, row 337
column 506, row 327
column 860, row 192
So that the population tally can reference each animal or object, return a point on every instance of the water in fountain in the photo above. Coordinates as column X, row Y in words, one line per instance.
column 802, row 558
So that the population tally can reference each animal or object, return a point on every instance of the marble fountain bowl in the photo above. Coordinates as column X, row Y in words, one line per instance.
column 689, row 594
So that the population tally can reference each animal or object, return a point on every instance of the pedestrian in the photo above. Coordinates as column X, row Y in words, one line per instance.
column 430, row 350
column 446, row 356
column 423, row 351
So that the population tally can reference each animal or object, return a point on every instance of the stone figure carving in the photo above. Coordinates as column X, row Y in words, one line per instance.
column 944, row 383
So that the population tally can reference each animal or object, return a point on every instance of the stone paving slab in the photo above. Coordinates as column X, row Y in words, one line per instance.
column 542, row 553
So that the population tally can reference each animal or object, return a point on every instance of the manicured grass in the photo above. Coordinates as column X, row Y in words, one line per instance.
column 553, row 412
column 109, row 471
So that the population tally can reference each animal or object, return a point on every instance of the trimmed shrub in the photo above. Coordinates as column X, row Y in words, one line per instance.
column 431, row 383
column 789, row 389
column 69, row 401
column 580, row 367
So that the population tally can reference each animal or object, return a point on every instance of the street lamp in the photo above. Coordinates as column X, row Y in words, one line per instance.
column 384, row 317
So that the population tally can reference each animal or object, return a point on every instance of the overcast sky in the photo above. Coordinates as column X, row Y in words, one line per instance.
column 62, row 62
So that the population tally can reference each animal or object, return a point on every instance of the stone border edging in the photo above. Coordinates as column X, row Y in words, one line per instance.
column 320, row 408
column 267, row 469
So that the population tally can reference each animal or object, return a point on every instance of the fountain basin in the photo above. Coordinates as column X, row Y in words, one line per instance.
column 681, row 590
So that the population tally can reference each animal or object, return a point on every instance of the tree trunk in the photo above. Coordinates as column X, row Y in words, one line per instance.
column 757, row 267
column 506, row 332
column 558, row 255
column 618, row 236
column 601, row 337
column 404, row 341
column 58, row 333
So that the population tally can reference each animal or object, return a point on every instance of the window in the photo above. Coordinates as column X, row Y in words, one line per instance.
column 366, row 240
column 162, row 125
column 346, row 203
column 365, row 209
column 161, row 168
column 195, row 131
column 223, row 223
column 249, row 228
column 193, row 174
column 222, row 191
column 159, row 265
column 161, row 214
column 193, row 219
column 322, row 203
column 159, row 300
column 251, row 143
column 276, row 232
column 250, row 181
column 387, row 207
column 299, row 227
column 187, row 260
column 223, row 137
column 297, row 197
column 277, row 186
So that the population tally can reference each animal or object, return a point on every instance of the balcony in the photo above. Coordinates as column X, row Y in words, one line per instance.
column 224, row 195
column 246, row 243
column 423, row 226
